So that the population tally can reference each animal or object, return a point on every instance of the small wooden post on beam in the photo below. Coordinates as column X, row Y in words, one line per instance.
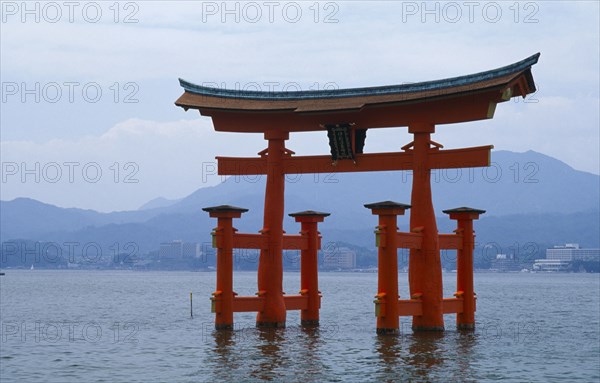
column 309, row 278
column 465, row 320
column 222, row 299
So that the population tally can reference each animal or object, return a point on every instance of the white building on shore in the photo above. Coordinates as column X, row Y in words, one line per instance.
column 340, row 259
column 179, row 250
column 560, row 258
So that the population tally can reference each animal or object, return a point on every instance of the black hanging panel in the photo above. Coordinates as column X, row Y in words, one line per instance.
column 340, row 141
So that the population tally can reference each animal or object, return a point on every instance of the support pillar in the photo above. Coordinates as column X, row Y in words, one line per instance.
column 386, row 300
column 464, row 264
column 222, row 299
column 425, row 268
column 309, row 264
column 270, row 263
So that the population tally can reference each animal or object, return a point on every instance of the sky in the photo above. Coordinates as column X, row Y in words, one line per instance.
column 88, row 88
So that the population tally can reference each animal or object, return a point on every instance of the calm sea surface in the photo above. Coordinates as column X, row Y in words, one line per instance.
column 107, row 326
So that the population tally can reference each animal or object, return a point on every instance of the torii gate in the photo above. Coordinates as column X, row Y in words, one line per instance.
column 346, row 114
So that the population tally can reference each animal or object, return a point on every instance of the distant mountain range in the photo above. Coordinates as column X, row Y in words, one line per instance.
column 158, row 202
column 529, row 197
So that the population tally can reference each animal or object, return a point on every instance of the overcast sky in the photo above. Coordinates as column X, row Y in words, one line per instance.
column 88, row 88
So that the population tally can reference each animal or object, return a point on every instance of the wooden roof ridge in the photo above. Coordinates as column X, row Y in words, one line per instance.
column 436, row 85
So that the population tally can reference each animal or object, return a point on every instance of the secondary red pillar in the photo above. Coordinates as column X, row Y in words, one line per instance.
column 386, row 300
column 309, row 264
column 222, row 299
column 464, row 264
column 425, row 267
column 270, row 263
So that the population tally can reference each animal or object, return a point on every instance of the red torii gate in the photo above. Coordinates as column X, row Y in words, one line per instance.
column 346, row 114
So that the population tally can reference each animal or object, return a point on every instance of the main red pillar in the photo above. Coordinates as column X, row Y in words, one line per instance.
column 425, row 268
column 309, row 265
column 270, row 263
column 464, row 264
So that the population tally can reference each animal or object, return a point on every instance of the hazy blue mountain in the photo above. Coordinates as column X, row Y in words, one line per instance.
column 500, row 231
column 28, row 218
column 525, row 194
column 517, row 183
column 158, row 203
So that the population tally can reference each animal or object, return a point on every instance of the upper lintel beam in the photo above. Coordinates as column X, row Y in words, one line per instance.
column 439, row 159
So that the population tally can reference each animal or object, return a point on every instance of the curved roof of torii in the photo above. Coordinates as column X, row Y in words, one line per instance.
column 458, row 99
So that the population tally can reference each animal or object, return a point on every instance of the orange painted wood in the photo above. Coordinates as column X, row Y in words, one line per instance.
column 295, row 242
column 309, row 268
column 387, row 274
column 236, row 166
column 256, row 304
column 260, row 241
column 452, row 305
column 250, row 241
column 410, row 307
column 270, row 261
column 464, row 274
column 467, row 107
column 296, row 302
column 476, row 156
column 451, row 241
column 393, row 161
column 424, row 264
column 248, row 304
column 224, row 294
column 409, row 240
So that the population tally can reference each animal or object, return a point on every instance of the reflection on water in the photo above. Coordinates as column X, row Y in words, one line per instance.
column 265, row 354
column 311, row 342
column 248, row 352
column 222, row 358
column 389, row 349
column 412, row 356
column 426, row 356
column 224, row 343
column 295, row 354
column 269, row 343
column 466, row 343
column 425, row 353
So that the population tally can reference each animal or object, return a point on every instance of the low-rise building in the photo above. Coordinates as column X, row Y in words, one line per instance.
column 179, row 250
column 572, row 252
column 561, row 258
column 341, row 258
column 505, row 262
column 551, row 265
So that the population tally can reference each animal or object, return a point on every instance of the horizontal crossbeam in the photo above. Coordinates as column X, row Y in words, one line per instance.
column 410, row 307
column 414, row 307
column 450, row 242
column 296, row 302
column 410, row 240
column 256, row 304
column 452, row 305
column 438, row 159
column 261, row 241
column 248, row 304
column 250, row 241
column 414, row 240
